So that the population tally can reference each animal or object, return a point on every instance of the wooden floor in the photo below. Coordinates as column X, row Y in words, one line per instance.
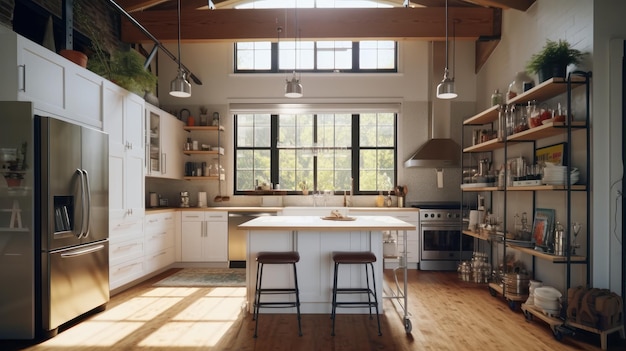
column 445, row 313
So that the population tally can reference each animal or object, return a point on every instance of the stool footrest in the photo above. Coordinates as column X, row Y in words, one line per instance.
column 354, row 291
column 278, row 291
column 277, row 304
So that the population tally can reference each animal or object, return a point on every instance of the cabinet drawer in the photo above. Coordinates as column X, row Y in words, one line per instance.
column 159, row 240
column 216, row 216
column 126, row 272
column 158, row 260
column 120, row 251
column 125, row 229
column 159, row 222
column 192, row 216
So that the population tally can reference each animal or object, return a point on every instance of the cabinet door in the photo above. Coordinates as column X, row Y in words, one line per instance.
column 43, row 79
column 192, row 241
column 134, row 124
column 113, row 111
column 84, row 105
column 216, row 241
column 154, row 141
column 173, row 137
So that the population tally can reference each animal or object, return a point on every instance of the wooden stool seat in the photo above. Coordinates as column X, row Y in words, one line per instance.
column 270, row 257
column 353, row 257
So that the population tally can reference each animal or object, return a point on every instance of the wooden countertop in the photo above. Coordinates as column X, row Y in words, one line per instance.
column 316, row 223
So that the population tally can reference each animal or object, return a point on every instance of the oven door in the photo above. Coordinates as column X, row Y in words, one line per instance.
column 444, row 242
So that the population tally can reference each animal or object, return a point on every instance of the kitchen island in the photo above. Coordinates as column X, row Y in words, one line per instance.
column 315, row 239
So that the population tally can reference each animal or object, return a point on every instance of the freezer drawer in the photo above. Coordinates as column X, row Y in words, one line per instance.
column 78, row 283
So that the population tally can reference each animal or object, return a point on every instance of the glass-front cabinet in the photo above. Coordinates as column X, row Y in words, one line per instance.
column 154, row 142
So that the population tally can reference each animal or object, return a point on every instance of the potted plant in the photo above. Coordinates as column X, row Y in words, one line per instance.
column 553, row 59
column 125, row 68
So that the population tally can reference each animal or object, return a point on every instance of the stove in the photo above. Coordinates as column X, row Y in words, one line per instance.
column 442, row 243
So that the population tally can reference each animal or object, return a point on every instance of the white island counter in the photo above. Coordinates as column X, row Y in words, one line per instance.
column 315, row 239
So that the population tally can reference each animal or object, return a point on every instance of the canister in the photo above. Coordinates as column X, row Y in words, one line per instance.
column 154, row 199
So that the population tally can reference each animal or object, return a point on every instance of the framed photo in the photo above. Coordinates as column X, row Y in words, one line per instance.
column 556, row 154
column 542, row 226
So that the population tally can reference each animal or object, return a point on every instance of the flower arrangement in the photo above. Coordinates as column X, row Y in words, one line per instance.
column 304, row 187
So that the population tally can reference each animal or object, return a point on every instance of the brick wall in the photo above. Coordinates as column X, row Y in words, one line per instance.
column 97, row 12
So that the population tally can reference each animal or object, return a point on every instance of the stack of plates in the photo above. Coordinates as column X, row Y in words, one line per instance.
column 555, row 175
column 548, row 299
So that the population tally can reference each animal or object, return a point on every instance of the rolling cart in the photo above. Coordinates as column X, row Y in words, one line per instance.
column 397, row 294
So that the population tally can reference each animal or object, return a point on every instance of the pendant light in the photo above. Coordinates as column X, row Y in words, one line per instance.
column 445, row 89
column 293, row 88
column 180, row 86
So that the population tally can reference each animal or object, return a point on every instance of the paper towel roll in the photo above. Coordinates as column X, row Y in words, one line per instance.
column 473, row 219
column 202, row 199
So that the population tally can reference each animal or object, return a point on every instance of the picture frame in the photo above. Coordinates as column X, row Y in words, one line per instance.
column 556, row 154
column 543, row 225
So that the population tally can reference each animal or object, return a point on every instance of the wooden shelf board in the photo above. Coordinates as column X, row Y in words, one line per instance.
column 493, row 144
column 482, row 188
column 546, row 256
column 202, row 178
column 200, row 152
column 544, row 131
column 545, row 187
column 478, row 235
column 487, row 116
column 546, row 90
column 204, row 128
column 512, row 297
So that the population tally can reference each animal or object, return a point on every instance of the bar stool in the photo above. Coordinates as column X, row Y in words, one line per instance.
column 268, row 257
column 355, row 257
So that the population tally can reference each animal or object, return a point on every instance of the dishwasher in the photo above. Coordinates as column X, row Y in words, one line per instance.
column 237, row 237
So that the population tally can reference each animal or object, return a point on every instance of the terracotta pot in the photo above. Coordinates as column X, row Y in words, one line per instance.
column 13, row 182
column 75, row 56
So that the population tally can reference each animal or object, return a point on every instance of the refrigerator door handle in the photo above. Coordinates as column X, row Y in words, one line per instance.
column 87, row 207
column 82, row 198
column 80, row 252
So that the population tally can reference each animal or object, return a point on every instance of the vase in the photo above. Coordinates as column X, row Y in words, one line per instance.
column 151, row 99
column 305, row 192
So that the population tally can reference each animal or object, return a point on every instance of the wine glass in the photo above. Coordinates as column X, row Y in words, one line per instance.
column 576, row 226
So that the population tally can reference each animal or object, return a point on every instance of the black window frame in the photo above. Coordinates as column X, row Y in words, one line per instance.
column 355, row 152
column 355, row 62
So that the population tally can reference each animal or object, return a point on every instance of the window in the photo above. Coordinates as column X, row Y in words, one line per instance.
column 316, row 56
column 327, row 151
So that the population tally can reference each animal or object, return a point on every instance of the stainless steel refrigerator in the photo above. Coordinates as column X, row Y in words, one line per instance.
column 63, row 203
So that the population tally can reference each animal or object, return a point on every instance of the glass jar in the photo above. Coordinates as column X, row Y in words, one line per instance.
column 520, row 84
column 496, row 98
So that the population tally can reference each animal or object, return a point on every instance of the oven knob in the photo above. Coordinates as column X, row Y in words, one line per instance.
column 449, row 215
column 438, row 215
column 432, row 215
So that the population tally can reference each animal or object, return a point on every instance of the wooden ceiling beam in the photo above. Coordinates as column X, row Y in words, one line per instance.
column 314, row 23
column 521, row 5
column 138, row 5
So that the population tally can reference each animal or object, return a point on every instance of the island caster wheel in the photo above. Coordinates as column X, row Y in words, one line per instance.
column 558, row 335
column 407, row 325
column 493, row 292
column 529, row 316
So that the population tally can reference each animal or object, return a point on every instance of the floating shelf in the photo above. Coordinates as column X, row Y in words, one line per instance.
column 478, row 235
column 204, row 178
column 201, row 152
column 546, row 256
column 204, row 128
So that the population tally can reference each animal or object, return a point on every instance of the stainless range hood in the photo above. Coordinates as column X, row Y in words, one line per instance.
column 440, row 151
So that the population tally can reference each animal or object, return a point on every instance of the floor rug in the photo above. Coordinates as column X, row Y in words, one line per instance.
column 201, row 277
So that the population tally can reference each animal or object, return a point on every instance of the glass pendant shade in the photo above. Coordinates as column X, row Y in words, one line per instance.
column 293, row 88
column 445, row 89
column 180, row 87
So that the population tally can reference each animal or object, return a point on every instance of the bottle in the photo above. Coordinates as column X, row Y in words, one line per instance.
column 496, row 98
column 389, row 199
column 380, row 200
column 191, row 121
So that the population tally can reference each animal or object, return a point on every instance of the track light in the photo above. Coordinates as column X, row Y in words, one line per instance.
column 445, row 89
column 180, row 86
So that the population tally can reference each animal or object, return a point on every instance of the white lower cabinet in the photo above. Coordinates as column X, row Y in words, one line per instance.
column 204, row 236
column 160, row 232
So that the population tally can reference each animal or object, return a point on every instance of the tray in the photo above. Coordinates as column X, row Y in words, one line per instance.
column 331, row 218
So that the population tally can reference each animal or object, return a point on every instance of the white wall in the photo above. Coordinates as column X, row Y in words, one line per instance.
column 411, row 87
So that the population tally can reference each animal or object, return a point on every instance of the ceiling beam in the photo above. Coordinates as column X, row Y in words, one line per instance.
column 138, row 5
column 521, row 5
column 314, row 23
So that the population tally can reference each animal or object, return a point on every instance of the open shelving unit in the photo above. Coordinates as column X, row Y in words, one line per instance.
column 544, row 91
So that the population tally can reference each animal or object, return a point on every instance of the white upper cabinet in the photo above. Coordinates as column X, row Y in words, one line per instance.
column 56, row 86
column 165, row 137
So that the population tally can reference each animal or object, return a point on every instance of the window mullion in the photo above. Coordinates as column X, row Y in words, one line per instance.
column 355, row 152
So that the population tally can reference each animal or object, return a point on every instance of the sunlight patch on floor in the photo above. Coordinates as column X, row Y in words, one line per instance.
column 138, row 309
column 93, row 333
column 171, row 291
column 187, row 334
column 227, row 292
column 212, row 309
